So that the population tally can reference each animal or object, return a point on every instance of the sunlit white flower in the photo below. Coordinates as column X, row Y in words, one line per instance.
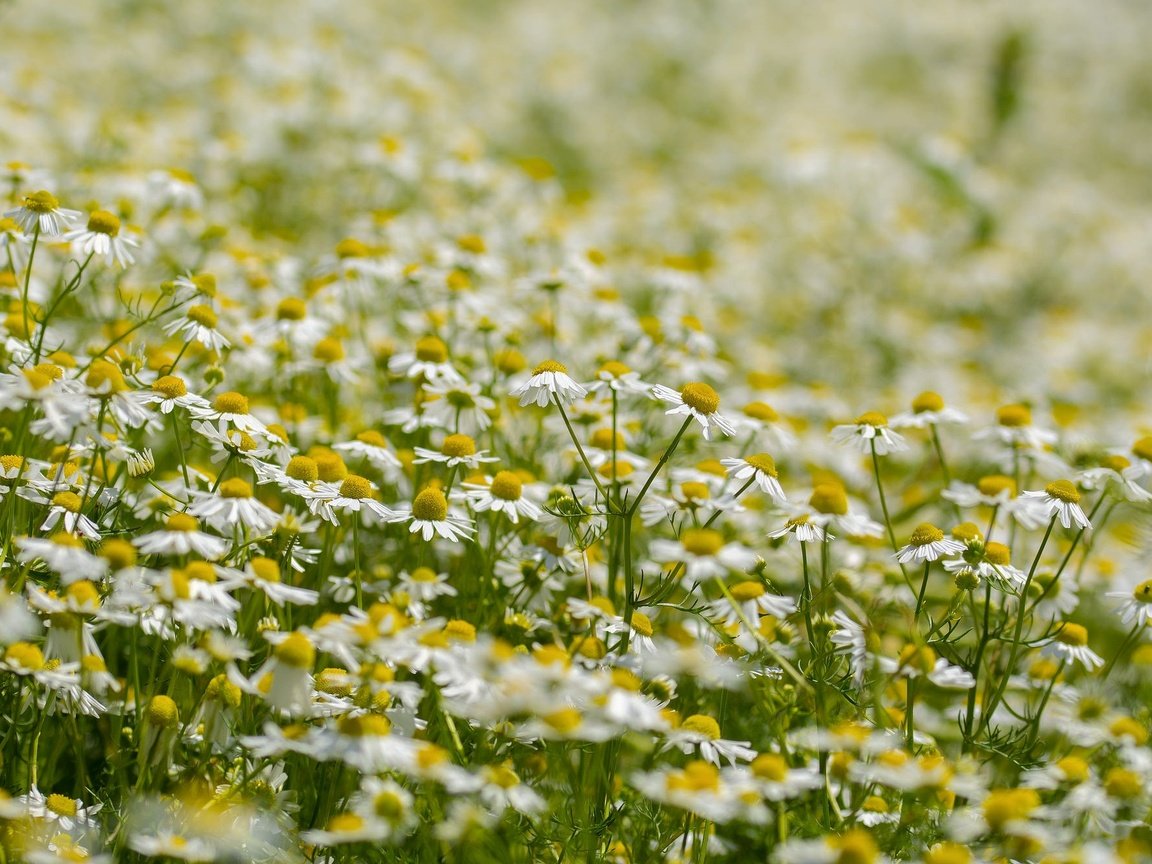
column 761, row 468
column 1071, row 643
column 40, row 211
column 429, row 516
column 232, row 506
column 549, row 380
column 698, row 400
column 704, row 554
column 1137, row 606
column 102, row 237
column 928, row 543
column 870, row 433
column 455, row 450
column 928, row 409
column 1061, row 499
column 505, row 494
column 181, row 535
column 199, row 325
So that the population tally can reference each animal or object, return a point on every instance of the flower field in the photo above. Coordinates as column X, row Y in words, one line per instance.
column 632, row 431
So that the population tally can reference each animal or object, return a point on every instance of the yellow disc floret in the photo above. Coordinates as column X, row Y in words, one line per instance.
column 700, row 397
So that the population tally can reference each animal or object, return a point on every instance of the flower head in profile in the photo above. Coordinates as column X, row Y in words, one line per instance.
column 549, row 380
column 1137, row 606
column 102, row 237
column 698, row 400
column 1071, row 644
column 928, row 543
column 761, row 469
column 870, row 433
column 40, row 211
column 928, row 409
column 1061, row 499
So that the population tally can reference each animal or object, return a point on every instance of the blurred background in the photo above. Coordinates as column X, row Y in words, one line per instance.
column 872, row 197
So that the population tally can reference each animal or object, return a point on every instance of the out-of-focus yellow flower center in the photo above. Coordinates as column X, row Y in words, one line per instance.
column 927, row 401
column 203, row 315
column 431, row 350
column 1014, row 415
column 829, row 498
column 871, row 418
column 234, row 487
column 103, row 222
column 702, row 724
column 702, row 541
column 296, row 651
column 1073, row 634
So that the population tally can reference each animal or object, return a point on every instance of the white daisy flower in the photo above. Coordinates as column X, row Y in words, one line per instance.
column 870, row 431
column 698, row 400
column 429, row 516
column 616, row 377
column 851, row 639
column 761, row 468
column 455, row 450
column 548, row 380
column 704, row 554
column 1118, row 474
column 1014, row 429
column 181, row 535
column 231, row 409
column 353, row 495
column 505, row 494
column 170, row 392
column 802, row 528
column 102, row 237
column 1137, row 606
column 1061, row 499
column 928, row 409
column 1071, row 643
column 374, row 447
column 928, row 543
column 199, row 325
column 701, row 733
column 232, row 505
column 40, row 211
column 458, row 405
column 429, row 360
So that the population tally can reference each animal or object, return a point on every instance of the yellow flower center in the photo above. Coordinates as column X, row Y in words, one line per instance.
column 856, row 847
column 642, row 624
column 697, row 776
column 291, row 309
column 458, row 446
column 61, row 805
column 203, row 315
column 103, row 222
column 763, row 463
column 1074, row 768
column 702, row 541
column 69, row 501
column 702, row 724
column 748, row 590
column 296, row 651
column 1063, row 490
column 1073, row 634
column 41, row 202
column 506, row 486
column 601, row 439
column 364, row 726
column 430, row 506
column 761, row 411
column 1014, row 415
column 205, row 283
column 372, row 438
column 967, row 532
column 265, row 568
column 330, row 467
column 388, row 805
column 693, row 491
column 302, row 468
column 501, row 775
column 1143, row 448
column 460, row 630
column 181, row 522
column 231, row 402
column 615, row 368
column 770, row 766
column 550, row 366
column 235, row 488
column 170, row 387
column 829, row 498
column 564, row 721
column 871, row 418
column 26, row 655
column 998, row 554
column 1143, row 592
column 926, row 534
column 473, row 243
column 162, row 712
column 118, row 553
column 345, row 823
column 700, row 397
column 1123, row 783
column 948, row 853
column 1115, row 462
column 927, row 401
column 431, row 350
column 350, row 247
column 355, row 486
column 994, row 484
column 1129, row 727
column 329, row 350
column 104, row 375
column 1007, row 805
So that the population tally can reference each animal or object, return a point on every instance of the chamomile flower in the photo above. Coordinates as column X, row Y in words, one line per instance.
column 505, row 494
column 870, row 433
column 1071, row 644
column 428, row 360
column 233, row 506
column 1119, row 476
column 374, row 447
column 102, row 237
column 199, row 325
column 760, row 468
column 40, row 211
column 181, row 535
column 354, row 494
column 458, row 406
column 616, row 377
column 704, row 554
column 429, row 517
column 1014, row 429
column 701, row 733
column 455, row 450
column 802, row 528
column 549, row 380
column 928, row 409
column 1061, row 499
column 928, row 543
column 1137, row 606
column 699, row 401
column 285, row 681
column 231, row 409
